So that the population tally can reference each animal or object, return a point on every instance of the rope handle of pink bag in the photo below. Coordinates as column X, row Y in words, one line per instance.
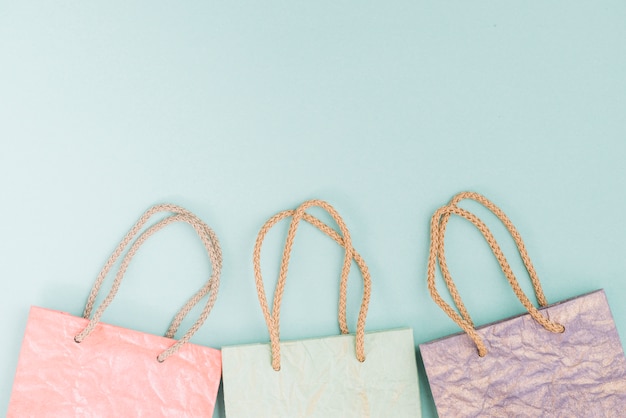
column 436, row 254
column 272, row 318
column 210, row 287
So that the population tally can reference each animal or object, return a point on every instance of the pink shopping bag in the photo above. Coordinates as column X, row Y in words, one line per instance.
column 71, row 366
column 561, row 360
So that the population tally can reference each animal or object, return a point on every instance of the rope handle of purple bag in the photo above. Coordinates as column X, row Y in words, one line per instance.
column 438, row 224
column 211, row 244
column 272, row 318
column 541, row 299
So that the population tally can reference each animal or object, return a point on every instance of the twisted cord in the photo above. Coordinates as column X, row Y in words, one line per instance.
column 272, row 318
column 211, row 244
column 367, row 288
column 506, row 221
column 516, row 237
column 435, row 239
column 120, row 248
column 215, row 255
column 463, row 319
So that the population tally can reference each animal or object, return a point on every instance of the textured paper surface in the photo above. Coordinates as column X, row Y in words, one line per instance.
column 322, row 378
column 531, row 372
column 112, row 373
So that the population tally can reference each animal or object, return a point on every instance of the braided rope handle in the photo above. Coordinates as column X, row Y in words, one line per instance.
column 211, row 244
column 272, row 318
column 438, row 224
column 541, row 299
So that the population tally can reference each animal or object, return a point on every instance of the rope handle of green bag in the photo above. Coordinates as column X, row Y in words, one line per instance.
column 211, row 244
column 438, row 224
column 272, row 318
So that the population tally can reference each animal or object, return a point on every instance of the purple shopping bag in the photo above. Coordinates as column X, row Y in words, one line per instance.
column 562, row 360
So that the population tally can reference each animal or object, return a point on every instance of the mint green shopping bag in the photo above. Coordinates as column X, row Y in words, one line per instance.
column 360, row 375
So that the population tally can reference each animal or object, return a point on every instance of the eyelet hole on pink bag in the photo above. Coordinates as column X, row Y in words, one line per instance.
column 76, row 341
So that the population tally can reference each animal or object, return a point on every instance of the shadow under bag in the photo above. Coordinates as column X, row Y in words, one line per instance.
column 71, row 366
column 370, row 374
column 561, row 360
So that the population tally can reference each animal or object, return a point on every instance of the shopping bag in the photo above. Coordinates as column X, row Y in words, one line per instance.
column 561, row 360
column 369, row 374
column 71, row 366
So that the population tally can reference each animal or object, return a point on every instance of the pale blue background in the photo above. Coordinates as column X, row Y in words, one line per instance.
column 238, row 110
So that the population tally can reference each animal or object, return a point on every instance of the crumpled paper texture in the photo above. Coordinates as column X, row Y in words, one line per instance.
column 531, row 372
column 322, row 378
column 112, row 373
